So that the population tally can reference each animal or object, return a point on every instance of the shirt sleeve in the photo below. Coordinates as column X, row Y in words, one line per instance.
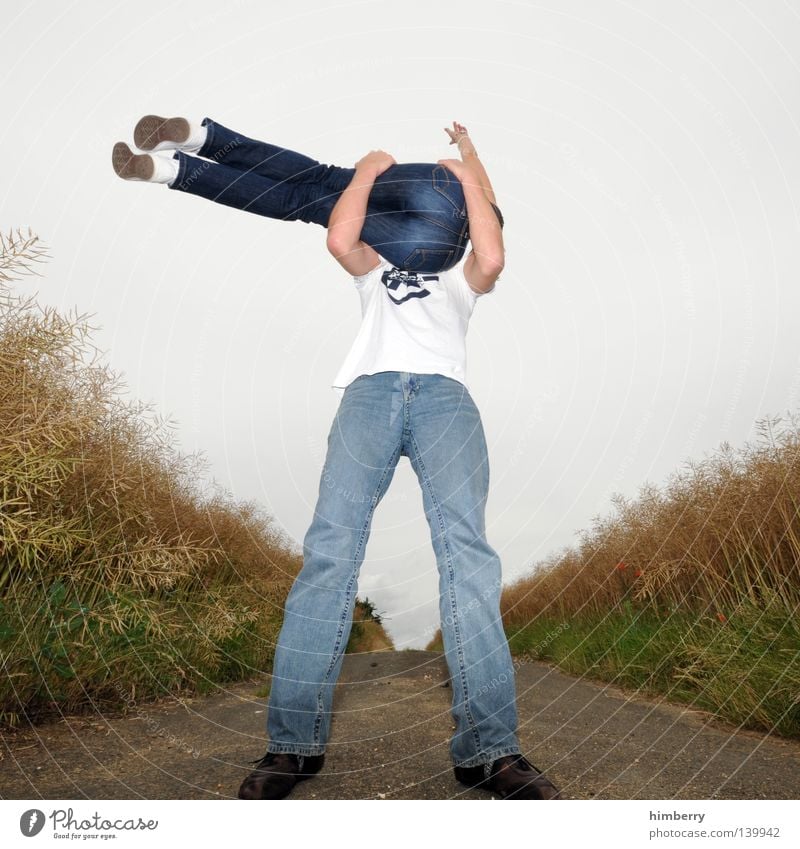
column 362, row 279
column 458, row 271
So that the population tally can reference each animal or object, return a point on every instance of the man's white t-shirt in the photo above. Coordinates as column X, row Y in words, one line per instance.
column 410, row 321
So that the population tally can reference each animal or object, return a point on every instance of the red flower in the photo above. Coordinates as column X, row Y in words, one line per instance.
column 621, row 565
column 721, row 617
column 637, row 573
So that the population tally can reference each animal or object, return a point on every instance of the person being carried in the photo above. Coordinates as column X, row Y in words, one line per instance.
column 415, row 216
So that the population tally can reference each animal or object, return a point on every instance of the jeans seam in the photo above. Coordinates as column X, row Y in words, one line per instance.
column 346, row 609
column 451, row 591
column 452, row 232
column 448, row 181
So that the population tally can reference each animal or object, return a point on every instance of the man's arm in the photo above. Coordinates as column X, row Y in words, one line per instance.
column 460, row 137
column 347, row 216
column 487, row 257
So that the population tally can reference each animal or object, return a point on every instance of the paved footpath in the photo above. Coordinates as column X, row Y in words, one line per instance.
column 389, row 740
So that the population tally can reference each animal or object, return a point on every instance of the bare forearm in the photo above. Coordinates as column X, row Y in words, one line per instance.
column 470, row 157
column 487, row 257
column 484, row 228
column 347, row 216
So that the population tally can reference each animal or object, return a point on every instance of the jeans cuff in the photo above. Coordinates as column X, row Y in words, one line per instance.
column 295, row 749
column 208, row 144
column 488, row 758
column 181, row 157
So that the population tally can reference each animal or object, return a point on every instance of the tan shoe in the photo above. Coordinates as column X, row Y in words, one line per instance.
column 151, row 168
column 130, row 165
column 152, row 132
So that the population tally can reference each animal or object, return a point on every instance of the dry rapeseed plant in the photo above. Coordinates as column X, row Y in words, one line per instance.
column 17, row 252
column 110, row 544
column 720, row 532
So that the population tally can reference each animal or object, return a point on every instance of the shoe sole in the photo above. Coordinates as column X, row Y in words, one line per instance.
column 156, row 133
column 129, row 165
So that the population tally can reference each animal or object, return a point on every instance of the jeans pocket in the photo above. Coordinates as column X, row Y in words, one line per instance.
column 428, row 260
column 449, row 186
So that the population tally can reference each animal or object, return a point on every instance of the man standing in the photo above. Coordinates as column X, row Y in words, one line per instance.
column 403, row 392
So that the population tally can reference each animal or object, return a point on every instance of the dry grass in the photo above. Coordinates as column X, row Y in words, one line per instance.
column 118, row 571
column 368, row 633
column 691, row 591
column 721, row 532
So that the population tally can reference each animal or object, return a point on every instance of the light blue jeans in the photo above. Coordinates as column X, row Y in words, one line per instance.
column 433, row 421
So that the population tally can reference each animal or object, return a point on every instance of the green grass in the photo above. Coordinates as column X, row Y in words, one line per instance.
column 58, row 655
column 745, row 670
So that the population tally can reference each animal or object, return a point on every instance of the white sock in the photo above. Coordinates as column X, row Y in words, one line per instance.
column 197, row 137
column 165, row 168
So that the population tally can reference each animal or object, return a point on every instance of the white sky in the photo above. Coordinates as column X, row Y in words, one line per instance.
column 645, row 156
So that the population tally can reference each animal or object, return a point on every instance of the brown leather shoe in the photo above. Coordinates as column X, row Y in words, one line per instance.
column 511, row 777
column 277, row 773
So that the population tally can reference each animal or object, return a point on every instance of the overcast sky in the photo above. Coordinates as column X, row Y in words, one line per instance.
column 645, row 157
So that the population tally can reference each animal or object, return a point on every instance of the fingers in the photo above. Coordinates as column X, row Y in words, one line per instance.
column 458, row 131
column 377, row 156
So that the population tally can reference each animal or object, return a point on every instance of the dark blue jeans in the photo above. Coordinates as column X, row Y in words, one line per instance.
column 416, row 215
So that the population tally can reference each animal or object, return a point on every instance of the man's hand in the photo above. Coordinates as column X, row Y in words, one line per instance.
column 347, row 216
column 458, row 132
column 375, row 162
column 459, row 135
column 461, row 169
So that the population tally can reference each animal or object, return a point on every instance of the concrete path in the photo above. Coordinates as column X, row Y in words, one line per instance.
column 389, row 739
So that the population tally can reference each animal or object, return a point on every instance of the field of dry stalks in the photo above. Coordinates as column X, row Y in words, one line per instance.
column 121, row 576
column 691, row 590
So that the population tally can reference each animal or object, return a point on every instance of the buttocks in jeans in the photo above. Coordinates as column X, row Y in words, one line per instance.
column 432, row 420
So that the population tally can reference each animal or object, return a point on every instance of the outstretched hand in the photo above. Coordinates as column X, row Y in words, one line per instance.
column 376, row 161
column 459, row 136
column 458, row 132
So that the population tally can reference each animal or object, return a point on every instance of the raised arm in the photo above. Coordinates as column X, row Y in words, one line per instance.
column 487, row 257
column 460, row 137
column 347, row 216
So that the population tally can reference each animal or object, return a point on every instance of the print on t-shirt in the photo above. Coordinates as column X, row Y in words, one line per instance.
column 403, row 285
